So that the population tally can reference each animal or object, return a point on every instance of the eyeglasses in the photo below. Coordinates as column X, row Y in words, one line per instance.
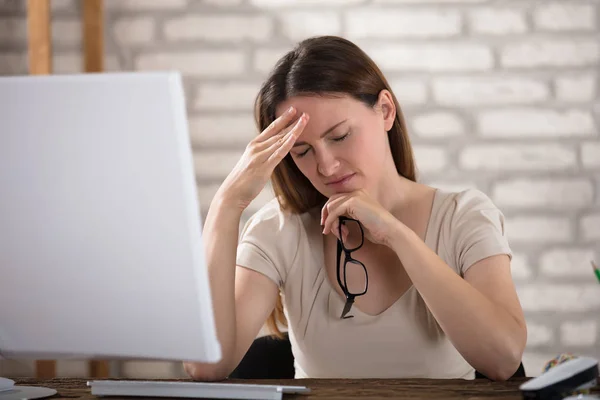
column 351, row 266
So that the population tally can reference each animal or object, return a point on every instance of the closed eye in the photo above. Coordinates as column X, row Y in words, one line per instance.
column 339, row 139
column 303, row 153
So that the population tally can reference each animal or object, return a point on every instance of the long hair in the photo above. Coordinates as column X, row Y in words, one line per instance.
column 323, row 66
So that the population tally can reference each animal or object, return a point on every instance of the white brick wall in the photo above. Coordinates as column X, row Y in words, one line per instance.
column 209, row 63
column 60, row 5
column 567, row 263
column 521, row 267
column 590, row 228
column 432, row 58
column 430, row 158
column 145, row 5
column 438, row 124
column 500, row 96
column 576, row 88
column 134, row 31
column 559, row 16
column 551, row 53
column 560, row 297
column 515, row 157
column 494, row 21
column 219, row 28
column 13, row 62
column 67, row 32
column 490, row 90
column 549, row 193
column 235, row 130
column 297, row 25
column 427, row 1
column 268, row 4
column 409, row 91
column 580, row 334
column 539, row 229
column 265, row 58
column 389, row 23
column 539, row 334
column 535, row 123
column 590, row 154
column 214, row 165
column 13, row 30
column 223, row 3
column 226, row 96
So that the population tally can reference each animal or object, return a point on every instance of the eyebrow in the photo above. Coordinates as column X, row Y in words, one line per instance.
column 322, row 134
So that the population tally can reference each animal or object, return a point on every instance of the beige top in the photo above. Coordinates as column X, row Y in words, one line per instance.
column 405, row 341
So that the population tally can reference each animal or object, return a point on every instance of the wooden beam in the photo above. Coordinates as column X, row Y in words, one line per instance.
column 39, row 37
column 45, row 369
column 99, row 369
column 93, row 35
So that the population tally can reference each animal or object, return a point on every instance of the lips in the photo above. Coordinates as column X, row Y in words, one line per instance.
column 339, row 180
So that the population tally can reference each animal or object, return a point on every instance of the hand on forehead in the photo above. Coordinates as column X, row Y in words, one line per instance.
column 324, row 112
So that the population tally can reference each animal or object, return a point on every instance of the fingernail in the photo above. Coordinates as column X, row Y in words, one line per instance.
column 290, row 110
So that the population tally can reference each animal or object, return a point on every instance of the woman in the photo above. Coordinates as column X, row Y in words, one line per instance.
column 435, row 298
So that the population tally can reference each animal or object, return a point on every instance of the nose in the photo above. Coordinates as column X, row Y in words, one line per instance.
column 327, row 163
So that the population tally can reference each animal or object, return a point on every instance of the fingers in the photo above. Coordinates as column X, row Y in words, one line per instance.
column 277, row 125
column 278, row 150
column 345, row 232
column 278, row 137
column 325, row 209
column 335, row 209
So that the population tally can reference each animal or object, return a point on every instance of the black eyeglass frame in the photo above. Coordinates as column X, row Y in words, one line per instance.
column 341, row 248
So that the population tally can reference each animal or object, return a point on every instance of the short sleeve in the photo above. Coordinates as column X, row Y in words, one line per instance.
column 478, row 228
column 269, row 242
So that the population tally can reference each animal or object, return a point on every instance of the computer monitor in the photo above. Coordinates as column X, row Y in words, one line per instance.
column 101, row 253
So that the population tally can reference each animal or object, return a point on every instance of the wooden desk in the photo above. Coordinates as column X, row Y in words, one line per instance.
column 412, row 389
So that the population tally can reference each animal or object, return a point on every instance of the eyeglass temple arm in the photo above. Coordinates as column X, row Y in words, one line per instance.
column 347, row 307
column 338, row 265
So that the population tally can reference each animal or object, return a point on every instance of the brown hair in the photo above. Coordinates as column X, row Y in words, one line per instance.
column 323, row 66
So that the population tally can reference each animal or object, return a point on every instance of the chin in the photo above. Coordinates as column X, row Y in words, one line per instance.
column 331, row 190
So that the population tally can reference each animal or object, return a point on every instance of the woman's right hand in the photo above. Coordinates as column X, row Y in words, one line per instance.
column 262, row 154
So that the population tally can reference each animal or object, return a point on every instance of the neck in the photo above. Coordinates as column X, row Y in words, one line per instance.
column 396, row 193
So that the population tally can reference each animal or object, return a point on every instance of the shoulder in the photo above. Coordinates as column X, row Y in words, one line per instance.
column 269, row 242
column 461, row 205
column 472, row 199
column 271, row 222
column 273, row 215
column 467, row 199
column 472, row 227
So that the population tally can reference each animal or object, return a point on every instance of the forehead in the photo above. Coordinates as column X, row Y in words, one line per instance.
column 323, row 111
column 317, row 105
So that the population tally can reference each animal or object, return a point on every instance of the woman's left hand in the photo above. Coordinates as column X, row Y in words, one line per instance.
column 376, row 221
